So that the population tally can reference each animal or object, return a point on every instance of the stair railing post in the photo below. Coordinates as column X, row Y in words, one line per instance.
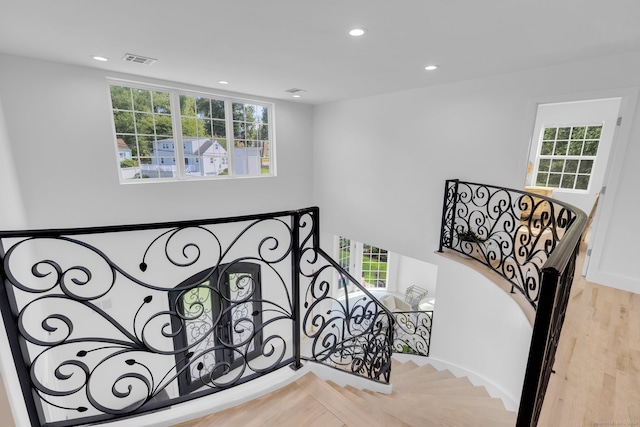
column 295, row 291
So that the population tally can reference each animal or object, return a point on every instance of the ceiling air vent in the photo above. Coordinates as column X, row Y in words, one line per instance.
column 295, row 90
column 130, row 57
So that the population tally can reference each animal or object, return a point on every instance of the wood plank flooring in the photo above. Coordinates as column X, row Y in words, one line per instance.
column 422, row 397
column 597, row 379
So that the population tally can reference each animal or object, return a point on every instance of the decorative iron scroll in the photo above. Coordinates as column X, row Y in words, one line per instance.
column 413, row 332
column 510, row 231
column 110, row 322
column 107, row 322
column 352, row 333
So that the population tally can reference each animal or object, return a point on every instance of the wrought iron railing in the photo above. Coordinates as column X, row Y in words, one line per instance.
column 510, row 231
column 413, row 332
column 110, row 322
column 533, row 242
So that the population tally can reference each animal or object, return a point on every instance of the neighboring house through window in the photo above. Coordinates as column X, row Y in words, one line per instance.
column 210, row 136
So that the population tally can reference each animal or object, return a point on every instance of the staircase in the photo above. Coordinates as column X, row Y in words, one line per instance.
column 422, row 396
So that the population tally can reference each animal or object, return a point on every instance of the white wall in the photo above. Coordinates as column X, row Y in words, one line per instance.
column 478, row 326
column 409, row 271
column 59, row 125
column 380, row 162
column 12, row 213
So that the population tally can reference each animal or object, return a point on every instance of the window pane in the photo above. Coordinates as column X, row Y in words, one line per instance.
column 571, row 166
column 263, row 132
column 187, row 105
column 123, row 121
column 582, row 182
column 161, row 102
column 265, row 160
column 189, row 127
column 561, row 148
column 542, row 179
column 578, row 133
column 557, row 165
column 585, row 166
column 145, row 145
column 144, row 124
column 238, row 130
column 219, row 129
column 238, row 111
column 203, row 107
column 142, row 100
column 549, row 134
column 568, row 181
column 546, row 148
column 575, row 148
column 593, row 132
column 163, row 125
column 217, row 109
column 544, row 164
column 554, row 180
column 563, row 133
column 590, row 148
column 121, row 98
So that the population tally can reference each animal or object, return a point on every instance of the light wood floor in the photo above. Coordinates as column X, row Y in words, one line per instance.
column 597, row 379
column 422, row 397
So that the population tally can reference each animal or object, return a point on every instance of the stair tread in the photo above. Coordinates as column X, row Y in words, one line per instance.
column 322, row 392
column 425, row 397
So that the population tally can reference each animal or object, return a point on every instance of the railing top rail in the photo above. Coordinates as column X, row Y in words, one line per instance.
column 54, row 232
column 559, row 258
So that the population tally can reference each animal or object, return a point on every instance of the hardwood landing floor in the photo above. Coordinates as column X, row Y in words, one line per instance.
column 597, row 379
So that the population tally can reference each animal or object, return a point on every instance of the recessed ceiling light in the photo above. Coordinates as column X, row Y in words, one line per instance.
column 100, row 58
column 223, row 82
column 431, row 67
column 297, row 96
column 357, row 32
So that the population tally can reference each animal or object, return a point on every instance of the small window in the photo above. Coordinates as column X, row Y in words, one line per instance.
column 567, row 155
column 154, row 123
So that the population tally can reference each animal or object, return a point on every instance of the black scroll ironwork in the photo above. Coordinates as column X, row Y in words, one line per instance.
column 533, row 242
column 110, row 322
column 413, row 332
column 347, row 331
column 510, row 231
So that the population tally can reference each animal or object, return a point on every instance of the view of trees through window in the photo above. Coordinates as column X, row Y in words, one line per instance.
column 365, row 262
column 567, row 155
column 214, row 136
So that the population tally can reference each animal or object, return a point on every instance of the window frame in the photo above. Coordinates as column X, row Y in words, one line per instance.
column 564, row 157
column 179, row 140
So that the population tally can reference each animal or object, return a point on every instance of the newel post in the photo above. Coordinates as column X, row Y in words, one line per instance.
column 295, row 291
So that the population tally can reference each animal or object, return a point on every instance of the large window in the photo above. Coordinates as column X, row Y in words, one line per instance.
column 567, row 155
column 167, row 134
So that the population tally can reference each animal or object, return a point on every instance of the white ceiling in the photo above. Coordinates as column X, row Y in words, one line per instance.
column 266, row 47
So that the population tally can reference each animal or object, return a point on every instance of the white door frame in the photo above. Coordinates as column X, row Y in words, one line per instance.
column 628, row 105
